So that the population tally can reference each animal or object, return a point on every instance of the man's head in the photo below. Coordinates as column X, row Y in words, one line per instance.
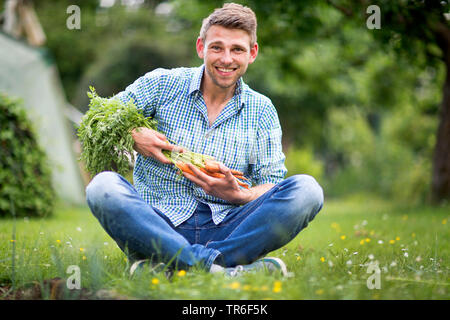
column 227, row 44
column 232, row 16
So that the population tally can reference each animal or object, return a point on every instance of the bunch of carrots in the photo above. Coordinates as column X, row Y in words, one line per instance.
column 205, row 163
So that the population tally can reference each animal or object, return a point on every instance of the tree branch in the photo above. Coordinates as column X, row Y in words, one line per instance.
column 348, row 12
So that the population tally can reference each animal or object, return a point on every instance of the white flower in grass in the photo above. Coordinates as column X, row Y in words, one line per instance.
column 355, row 253
column 330, row 245
column 371, row 256
column 339, row 287
column 345, row 249
column 380, row 241
column 406, row 254
column 364, row 223
column 79, row 229
column 330, row 263
column 393, row 264
column 105, row 243
column 349, row 262
column 419, row 258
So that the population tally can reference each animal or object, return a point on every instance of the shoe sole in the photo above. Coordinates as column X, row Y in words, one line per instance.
column 281, row 264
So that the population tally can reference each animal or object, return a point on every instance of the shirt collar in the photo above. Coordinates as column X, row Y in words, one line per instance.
column 197, row 81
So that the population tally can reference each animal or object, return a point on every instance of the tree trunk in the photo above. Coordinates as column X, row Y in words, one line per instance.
column 441, row 157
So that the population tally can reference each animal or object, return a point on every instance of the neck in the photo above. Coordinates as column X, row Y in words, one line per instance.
column 214, row 93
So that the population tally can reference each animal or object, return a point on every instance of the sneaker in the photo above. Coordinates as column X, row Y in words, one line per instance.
column 147, row 266
column 269, row 264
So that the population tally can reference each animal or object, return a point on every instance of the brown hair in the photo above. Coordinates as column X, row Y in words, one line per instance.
column 232, row 16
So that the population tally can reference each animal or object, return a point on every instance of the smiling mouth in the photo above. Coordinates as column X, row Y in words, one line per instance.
column 225, row 71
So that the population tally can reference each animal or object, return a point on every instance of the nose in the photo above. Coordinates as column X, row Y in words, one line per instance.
column 226, row 57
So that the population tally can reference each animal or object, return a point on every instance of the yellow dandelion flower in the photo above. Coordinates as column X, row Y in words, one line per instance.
column 343, row 237
column 322, row 259
column 391, row 241
column 397, row 238
column 84, row 258
column 81, row 249
column 12, row 240
column 319, row 291
column 276, row 289
column 235, row 285
column 155, row 281
column 264, row 288
column 361, row 242
column 276, row 286
column 444, row 221
column 372, row 232
column 58, row 241
column 298, row 258
column 367, row 239
column 413, row 235
column 247, row 287
column 181, row 273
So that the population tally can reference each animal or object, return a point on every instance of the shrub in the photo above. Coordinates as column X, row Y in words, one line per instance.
column 25, row 177
column 302, row 161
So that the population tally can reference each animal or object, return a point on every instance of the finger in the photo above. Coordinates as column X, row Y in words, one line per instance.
column 194, row 179
column 160, row 135
column 168, row 146
column 158, row 155
column 203, row 176
column 226, row 171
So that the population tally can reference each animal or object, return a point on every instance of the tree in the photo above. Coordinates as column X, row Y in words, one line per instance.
column 416, row 29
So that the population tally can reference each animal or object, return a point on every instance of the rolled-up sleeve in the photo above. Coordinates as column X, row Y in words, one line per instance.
column 268, row 158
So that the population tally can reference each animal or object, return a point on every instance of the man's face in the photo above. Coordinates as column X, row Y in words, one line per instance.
column 226, row 54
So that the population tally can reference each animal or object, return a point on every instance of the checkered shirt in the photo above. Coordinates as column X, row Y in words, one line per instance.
column 246, row 136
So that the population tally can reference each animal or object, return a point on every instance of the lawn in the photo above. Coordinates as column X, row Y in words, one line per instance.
column 329, row 259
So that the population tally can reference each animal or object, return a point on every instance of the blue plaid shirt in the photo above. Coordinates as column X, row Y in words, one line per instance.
column 246, row 136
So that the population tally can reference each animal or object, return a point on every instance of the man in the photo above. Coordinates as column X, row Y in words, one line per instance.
column 197, row 219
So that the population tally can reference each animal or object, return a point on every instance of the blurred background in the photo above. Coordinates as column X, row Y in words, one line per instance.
column 363, row 110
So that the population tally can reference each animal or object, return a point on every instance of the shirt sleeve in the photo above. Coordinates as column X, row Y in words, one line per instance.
column 267, row 157
column 145, row 92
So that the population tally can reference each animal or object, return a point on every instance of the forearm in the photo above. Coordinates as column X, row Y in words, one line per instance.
column 255, row 192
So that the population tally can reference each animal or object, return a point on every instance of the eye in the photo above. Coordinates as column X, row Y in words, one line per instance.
column 215, row 48
column 238, row 49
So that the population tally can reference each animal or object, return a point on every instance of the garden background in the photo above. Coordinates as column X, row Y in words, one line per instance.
column 362, row 110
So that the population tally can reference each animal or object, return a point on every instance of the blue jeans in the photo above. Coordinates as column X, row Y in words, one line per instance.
column 247, row 233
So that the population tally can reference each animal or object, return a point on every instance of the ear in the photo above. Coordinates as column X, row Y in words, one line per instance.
column 253, row 52
column 200, row 46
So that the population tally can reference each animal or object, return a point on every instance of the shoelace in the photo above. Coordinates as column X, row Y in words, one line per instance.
column 236, row 270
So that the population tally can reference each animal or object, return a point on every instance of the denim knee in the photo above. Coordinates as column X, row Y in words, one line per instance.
column 101, row 187
column 306, row 191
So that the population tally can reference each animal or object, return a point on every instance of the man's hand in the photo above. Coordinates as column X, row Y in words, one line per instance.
column 150, row 143
column 225, row 188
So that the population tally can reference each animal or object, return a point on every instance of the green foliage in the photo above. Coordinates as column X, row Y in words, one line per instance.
column 302, row 161
column 395, row 163
column 25, row 176
column 105, row 133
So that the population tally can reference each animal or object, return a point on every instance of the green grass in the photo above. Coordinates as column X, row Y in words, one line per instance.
column 329, row 258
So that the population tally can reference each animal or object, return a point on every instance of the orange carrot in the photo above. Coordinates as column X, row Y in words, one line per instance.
column 242, row 184
column 213, row 166
column 184, row 167
column 240, row 177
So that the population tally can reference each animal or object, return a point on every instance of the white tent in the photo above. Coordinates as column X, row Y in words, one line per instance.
column 28, row 73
